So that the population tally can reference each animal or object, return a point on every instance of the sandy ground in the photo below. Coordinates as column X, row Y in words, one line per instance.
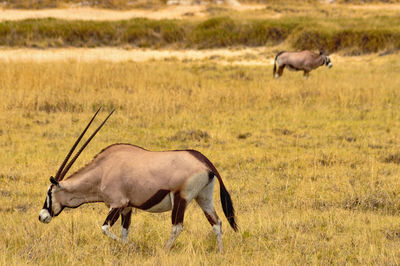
column 86, row 13
column 246, row 56
column 169, row 12
column 260, row 56
column 377, row 7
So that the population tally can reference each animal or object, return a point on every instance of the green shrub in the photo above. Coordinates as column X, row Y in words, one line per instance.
column 224, row 31
column 302, row 33
column 365, row 40
column 214, row 32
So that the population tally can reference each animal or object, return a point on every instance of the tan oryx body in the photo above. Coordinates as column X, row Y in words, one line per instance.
column 299, row 61
column 125, row 176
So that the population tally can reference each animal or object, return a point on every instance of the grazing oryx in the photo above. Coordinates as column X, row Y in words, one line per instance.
column 297, row 61
column 125, row 176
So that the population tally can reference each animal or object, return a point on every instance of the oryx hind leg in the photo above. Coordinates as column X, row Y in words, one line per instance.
column 280, row 71
column 205, row 201
column 181, row 199
column 112, row 217
column 178, row 211
column 126, row 215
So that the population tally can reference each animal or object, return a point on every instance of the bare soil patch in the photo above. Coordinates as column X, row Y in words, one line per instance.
column 259, row 56
column 246, row 56
column 87, row 13
column 376, row 7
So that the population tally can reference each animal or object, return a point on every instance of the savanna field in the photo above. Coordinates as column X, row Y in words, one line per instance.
column 312, row 165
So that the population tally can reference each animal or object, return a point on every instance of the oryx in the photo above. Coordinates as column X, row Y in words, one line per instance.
column 300, row 61
column 125, row 176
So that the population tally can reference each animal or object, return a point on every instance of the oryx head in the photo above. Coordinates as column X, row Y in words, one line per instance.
column 52, row 205
column 328, row 62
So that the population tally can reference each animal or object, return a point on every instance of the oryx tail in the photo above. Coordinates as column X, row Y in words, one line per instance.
column 226, row 202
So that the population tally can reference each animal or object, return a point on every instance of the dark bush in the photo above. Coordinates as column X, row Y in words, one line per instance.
column 366, row 41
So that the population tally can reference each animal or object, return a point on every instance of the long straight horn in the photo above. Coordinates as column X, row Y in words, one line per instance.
column 73, row 147
column 65, row 171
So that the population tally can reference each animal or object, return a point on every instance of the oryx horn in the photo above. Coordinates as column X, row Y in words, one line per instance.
column 63, row 171
column 73, row 147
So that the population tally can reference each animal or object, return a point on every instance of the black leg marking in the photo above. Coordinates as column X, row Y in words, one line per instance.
column 212, row 217
column 179, row 209
column 126, row 219
column 112, row 216
column 280, row 70
column 178, row 212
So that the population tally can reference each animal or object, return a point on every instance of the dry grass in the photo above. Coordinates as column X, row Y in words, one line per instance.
column 312, row 165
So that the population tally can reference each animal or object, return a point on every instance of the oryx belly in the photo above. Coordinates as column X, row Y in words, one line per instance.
column 164, row 205
column 291, row 68
column 163, row 201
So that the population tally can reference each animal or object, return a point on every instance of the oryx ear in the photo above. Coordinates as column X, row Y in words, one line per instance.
column 55, row 182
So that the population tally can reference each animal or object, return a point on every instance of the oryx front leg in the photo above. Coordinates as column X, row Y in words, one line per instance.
column 178, row 211
column 125, row 222
column 112, row 217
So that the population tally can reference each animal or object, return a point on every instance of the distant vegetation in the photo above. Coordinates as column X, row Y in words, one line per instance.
column 312, row 24
column 355, row 36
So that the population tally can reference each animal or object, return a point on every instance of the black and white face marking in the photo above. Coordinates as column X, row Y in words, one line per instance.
column 50, row 208
column 328, row 62
column 46, row 213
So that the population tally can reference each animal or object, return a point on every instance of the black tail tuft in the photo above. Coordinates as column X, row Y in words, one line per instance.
column 227, row 207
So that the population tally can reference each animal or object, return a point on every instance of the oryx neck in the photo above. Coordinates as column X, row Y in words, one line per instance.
column 321, row 60
column 82, row 187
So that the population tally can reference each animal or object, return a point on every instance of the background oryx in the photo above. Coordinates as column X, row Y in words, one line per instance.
column 125, row 176
column 297, row 61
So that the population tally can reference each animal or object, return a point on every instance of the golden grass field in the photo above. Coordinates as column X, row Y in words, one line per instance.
column 312, row 165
